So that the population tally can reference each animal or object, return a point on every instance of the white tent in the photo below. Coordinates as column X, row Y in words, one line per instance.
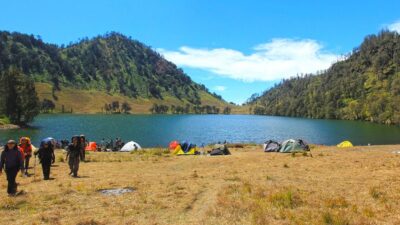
column 130, row 146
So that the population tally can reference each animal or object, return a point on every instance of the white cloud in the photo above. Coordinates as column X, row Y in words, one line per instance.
column 280, row 58
column 220, row 88
column 394, row 26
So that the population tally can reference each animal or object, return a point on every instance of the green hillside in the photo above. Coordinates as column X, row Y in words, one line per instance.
column 111, row 64
column 364, row 86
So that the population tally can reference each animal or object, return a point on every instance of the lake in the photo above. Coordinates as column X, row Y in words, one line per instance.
column 159, row 130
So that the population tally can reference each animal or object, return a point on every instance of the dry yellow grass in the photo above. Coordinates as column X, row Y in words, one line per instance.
column 93, row 101
column 359, row 185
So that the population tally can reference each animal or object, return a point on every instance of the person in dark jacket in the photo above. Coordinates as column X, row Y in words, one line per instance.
column 74, row 155
column 83, row 146
column 46, row 158
column 11, row 160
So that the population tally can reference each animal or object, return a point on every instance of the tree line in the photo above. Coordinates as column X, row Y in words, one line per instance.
column 116, row 107
column 187, row 109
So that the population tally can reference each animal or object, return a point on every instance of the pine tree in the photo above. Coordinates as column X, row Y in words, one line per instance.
column 19, row 97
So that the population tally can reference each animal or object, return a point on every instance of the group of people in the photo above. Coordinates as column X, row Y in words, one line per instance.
column 16, row 158
column 111, row 144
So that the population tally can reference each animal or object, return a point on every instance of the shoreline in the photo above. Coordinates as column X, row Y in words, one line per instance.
column 9, row 127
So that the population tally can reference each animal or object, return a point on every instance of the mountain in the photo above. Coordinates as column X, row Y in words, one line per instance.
column 364, row 86
column 87, row 75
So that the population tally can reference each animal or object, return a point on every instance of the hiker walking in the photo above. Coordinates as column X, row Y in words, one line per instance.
column 83, row 146
column 11, row 160
column 25, row 148
column 74, row 155
column 46, row 157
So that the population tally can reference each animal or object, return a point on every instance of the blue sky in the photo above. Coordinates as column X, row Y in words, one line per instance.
column 235, row 48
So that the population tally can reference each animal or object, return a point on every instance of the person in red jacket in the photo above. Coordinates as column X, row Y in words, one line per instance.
column 25, row 147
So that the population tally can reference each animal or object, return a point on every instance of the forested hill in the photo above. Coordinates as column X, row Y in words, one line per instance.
column 111, row 63
column 365, row 86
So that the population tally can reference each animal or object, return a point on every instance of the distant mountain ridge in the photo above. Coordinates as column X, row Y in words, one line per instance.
column 110, row 63
column 365, row 86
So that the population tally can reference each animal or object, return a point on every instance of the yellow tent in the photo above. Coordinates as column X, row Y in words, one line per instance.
column 178, row 151
column 345, row 144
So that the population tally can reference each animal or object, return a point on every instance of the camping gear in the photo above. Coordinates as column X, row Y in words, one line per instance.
column 51, row 140
column 220, row 149
column 292, row 145
column 130, row 146
column 345, row 144
column 173, row 145
column 271, row 146
column 185, row 148
column 91, row 147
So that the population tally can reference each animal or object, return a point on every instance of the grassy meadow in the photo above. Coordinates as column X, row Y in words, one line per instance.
column 95, row 100
column 359, row 185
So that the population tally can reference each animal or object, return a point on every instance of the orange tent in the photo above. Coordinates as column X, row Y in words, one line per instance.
column 91, row 147
column 173, row 145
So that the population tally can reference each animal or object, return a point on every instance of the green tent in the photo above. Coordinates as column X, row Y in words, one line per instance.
column 292, row 145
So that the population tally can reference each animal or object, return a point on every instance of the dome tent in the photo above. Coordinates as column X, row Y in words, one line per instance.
column 345, row 144
column 91, row 147
column 130, row 146
column 220, row 149
column 271, row 146
column 292, row 145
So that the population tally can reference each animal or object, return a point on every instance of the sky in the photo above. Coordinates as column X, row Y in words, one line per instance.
column 236, row 48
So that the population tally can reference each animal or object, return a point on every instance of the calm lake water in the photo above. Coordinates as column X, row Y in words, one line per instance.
column 159, row 130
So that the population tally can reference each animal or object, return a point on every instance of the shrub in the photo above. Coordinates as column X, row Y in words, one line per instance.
column 284, row 199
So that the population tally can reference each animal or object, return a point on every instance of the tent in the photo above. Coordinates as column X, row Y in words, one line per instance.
column 271, row 146
column 185, row 148
column 91, row 147
column 345, row 144
column 173, row 145
column 220, row 149
column 130, row 146
column 292, row 145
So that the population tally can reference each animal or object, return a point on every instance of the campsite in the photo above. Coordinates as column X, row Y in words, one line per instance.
column 354, row 185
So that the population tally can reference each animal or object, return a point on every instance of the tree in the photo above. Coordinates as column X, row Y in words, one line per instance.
column 19, row 96
column 47, row 106
column 115, row 106
column 125, row 107
column 227, row 110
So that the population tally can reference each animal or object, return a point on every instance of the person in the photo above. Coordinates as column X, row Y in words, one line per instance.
column 83, row 146
column 46, row 157
column 26, row 150
column 11, row 160
column 74, row 155
column 103, row 144
column 111, row 144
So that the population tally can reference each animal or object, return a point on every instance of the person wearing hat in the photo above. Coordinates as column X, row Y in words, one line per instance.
column 12, row 161
column 26, row 149
column 74, row 155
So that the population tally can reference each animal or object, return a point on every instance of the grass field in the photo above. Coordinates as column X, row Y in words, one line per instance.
column 91, row 101
column 359, row 185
